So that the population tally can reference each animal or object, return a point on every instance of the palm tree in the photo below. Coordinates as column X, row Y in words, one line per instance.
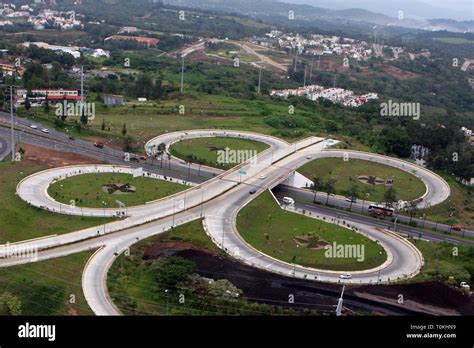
column 353, row 193
column 329, row 188
column 317, row 185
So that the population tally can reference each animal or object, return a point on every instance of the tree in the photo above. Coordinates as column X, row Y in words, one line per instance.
column 127, row 144
column 46, row 106
column 317, row 185
column 329, row 188
column 172, row 271
column 390, row 196
column 103, row 125
column 223, row 290
column 9, row 304
column 27, row 104
column 353, row 193
column 124, row 129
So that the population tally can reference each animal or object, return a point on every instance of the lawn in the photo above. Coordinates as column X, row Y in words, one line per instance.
column 20, row 221
column 87, row 190
column 267, row 227
column 446, row 260
column 406, row 185
column 206, row 150
column 45, row 288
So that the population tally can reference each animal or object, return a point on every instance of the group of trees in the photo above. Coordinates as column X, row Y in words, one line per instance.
column 353, row 192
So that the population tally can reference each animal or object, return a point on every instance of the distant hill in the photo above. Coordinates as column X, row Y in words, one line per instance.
column 377, row 15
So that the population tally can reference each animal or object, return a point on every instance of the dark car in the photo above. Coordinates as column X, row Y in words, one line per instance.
column 252, row 191
column 134, row 159
column 99, row 144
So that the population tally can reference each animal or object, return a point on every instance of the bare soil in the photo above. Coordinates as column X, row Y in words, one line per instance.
column 53, row 158
column 432, row 298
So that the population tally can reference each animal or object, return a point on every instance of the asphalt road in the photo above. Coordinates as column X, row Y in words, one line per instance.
column 219, row 200
column 303, row 201
column 304, row 196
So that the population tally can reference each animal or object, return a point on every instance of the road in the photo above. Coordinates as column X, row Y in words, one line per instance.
column 5, row 145
column 217, row 200
column 263, row 58
column 305, row 197
column 303, row 200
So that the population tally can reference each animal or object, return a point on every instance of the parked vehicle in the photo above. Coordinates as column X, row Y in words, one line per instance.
column 99, row 144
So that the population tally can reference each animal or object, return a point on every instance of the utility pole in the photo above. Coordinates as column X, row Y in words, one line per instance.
column 311, row 71
column 319, row 61
column 82, row 90
column 304, row 81
column 12, row 128
column 296, row 59
column 182, row 74
column 339, row 303
column 335, row 80
column 260, row 81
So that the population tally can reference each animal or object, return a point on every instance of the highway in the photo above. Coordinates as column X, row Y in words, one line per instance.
column 218, row 201
column 306, row 197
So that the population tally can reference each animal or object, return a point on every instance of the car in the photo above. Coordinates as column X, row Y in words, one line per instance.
column 345, row 276
column 134, row 159
column 253, row 191
column 72, row 138
column 34, row 126
column 288, row 200
column 351, row 199
column 143, row 158
column 262, row 177
column 99, row 144
column 45, row 130
column 309, row 157
column 457, row 228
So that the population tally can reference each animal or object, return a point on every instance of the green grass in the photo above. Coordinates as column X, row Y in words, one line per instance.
column 406, row 185
column 20, row 221
column 87, row 191
column 263, row 218
column 45, row 288
column 206, row 149
column 446, row 260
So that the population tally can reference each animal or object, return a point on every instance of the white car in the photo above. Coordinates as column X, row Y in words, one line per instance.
column 262, row 177
column 33, row 126
column 45, row 130
column 345, row 276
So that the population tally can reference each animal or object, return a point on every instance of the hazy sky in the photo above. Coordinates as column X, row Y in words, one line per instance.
column 455, row 9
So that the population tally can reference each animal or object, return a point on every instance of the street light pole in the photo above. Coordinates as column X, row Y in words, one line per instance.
column 12, row 129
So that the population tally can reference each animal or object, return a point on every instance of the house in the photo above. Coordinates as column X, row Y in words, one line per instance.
column 10, row 69
column 112, row 99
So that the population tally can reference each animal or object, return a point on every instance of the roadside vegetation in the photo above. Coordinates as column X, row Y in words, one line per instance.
column 298, row 239
column 205, row 151
column 45, row 288
column 357, row 173
column 141, row 284
column 20, row 221
column 90, row 190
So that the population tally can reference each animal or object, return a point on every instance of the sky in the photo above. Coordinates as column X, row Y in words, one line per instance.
column 451, row 9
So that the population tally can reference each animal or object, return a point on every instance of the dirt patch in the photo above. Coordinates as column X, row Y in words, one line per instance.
column 273, row 289
column 398, row 73
column 431, row 297
column 310, row 242
column 53, row 158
